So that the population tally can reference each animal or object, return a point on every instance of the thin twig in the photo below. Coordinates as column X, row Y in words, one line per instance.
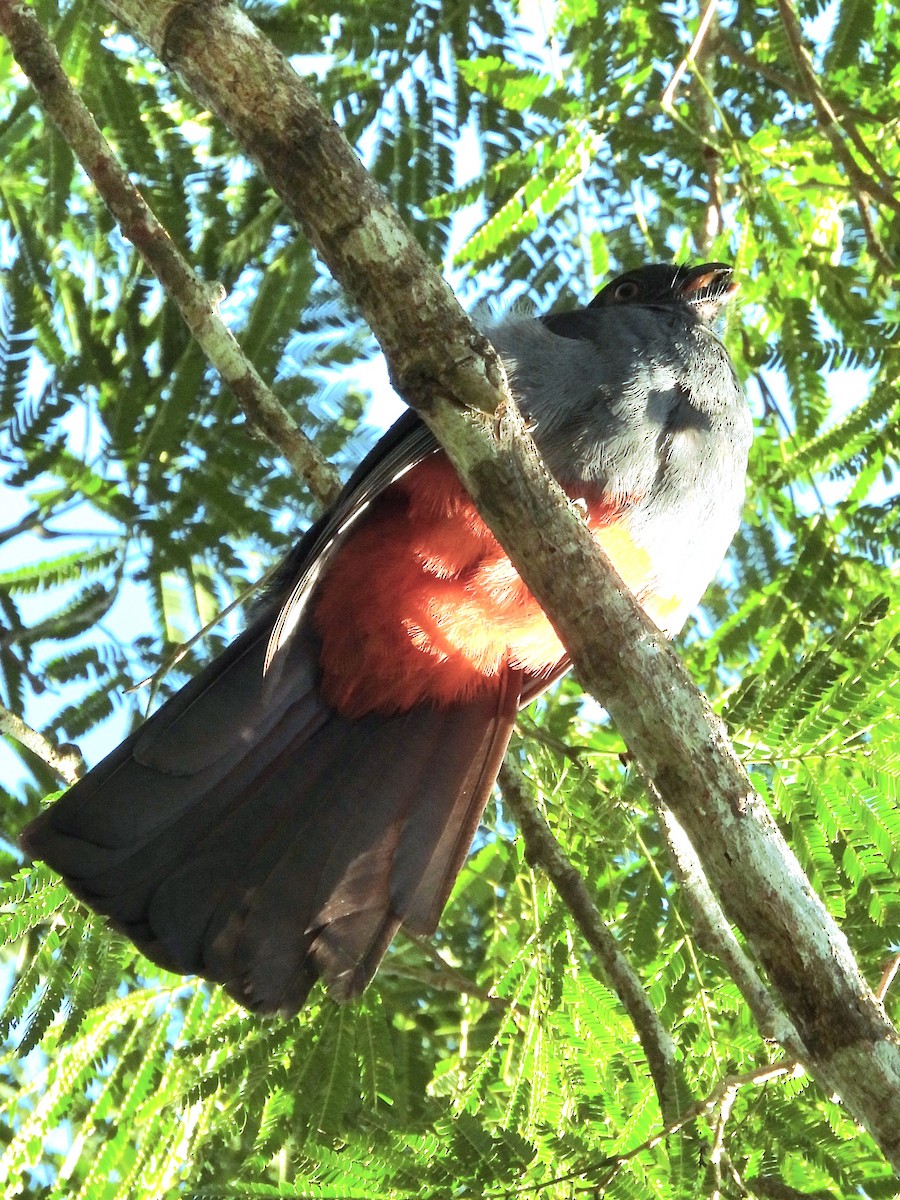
column 864, row 184
column 827, row 116
column 196, row 299
column 725, row 46
column 153, row 681
column 446, row 977
column 772, row 406
column 698, row 57
column 66, row 762
column 718, row 1154
column 873, row 241
column 543, row 850
column 703, row 29
column 610, row 1165
column 887, row 977
column 715, row 933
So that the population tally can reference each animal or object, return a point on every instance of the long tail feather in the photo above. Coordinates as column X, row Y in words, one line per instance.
column 258, row 838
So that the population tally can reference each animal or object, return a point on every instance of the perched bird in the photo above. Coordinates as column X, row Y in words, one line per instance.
column 319, row 784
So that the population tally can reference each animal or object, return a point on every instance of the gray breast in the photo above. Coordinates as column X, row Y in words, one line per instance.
column 647, row 405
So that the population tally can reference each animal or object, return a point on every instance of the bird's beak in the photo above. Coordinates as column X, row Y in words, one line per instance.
column 706, row 288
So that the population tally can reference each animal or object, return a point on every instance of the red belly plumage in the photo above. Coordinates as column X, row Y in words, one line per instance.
column 423, row 605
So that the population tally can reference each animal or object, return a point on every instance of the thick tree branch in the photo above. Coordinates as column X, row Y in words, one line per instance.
column 197, row 300
column 440, row 363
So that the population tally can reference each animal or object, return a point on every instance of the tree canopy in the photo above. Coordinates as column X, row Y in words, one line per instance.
column 532, row 150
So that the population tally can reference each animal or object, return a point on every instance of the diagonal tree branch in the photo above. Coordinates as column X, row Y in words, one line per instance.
column 714, row 932
column 65, row 761
column 706, row 24
column 865, row 186
column 880, row 182
column 543, row 850
column 440, row 363
column 728, row 48
column 197, row 300
column 721, row 1097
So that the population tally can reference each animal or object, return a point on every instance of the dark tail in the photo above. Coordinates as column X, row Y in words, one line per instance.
column 254, row 836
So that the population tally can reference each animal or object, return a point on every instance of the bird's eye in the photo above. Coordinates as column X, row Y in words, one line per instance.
column 626, row 291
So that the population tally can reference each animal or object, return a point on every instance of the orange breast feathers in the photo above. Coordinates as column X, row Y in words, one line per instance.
column 422, row 604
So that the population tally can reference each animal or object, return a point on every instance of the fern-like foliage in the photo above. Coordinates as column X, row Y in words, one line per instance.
column 531, row 162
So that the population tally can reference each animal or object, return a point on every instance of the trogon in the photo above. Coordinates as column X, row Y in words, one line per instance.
column 318, row 785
